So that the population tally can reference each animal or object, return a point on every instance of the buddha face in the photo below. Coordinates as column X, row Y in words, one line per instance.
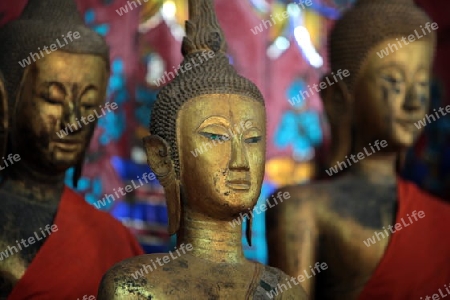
column 53, row 122
column 226, row 178
column 392, row 93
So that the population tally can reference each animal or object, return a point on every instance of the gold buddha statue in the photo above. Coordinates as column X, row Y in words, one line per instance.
column 208, row 104
column 387, row 47
column 56, row 72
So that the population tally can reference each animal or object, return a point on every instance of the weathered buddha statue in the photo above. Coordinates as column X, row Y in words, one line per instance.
column 366, row 233
column 208, row 104
column 53, row 244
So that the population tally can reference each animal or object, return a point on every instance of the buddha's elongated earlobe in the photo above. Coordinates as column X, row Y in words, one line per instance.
column 159, row 160
column 338, row 105
column 248, row 230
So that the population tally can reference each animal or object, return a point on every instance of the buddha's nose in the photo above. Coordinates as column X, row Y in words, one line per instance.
column 238, row 160
column 414, row 100
column 71, row 114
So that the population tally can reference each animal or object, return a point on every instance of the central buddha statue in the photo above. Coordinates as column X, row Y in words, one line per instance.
column 380, row 236
column 210, row 103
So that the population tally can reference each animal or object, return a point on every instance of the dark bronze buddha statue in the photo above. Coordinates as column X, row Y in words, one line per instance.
column 371, row 114
column 56, row 72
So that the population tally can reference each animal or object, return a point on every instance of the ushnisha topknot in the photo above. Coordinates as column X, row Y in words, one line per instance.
column 41, row 24
column 369, row 23
column 211, row 76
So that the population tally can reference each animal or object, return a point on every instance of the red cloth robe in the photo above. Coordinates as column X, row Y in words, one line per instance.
column 416, row 262
column 73, row 259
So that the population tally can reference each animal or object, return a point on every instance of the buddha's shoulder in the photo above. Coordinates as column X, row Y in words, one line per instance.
column 302, row 198
column 271, row 280
column 147, row 276
column 320, row 193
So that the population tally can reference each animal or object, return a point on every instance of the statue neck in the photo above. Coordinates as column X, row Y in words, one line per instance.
column 23, row 180
column 379, row 168
column 211, row 239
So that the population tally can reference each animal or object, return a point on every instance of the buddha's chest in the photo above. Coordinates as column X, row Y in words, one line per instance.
column 202, row 280
column 353, row 243
column 209, row 289
column 24, row 229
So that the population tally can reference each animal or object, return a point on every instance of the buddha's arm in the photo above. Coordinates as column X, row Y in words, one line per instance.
column 292, row 237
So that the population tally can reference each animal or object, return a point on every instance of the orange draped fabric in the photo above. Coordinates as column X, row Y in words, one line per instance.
column 416, row 263
column 73, row 259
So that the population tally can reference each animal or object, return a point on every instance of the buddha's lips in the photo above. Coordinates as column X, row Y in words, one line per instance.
column 407, row 124
column 408, row 121
column 68, row 141
column 239, row 184
column 68, row 144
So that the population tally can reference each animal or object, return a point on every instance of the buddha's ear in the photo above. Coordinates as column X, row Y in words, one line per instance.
column 336, row 101
column 4, row 121
column 338, row 105
column 159, row 160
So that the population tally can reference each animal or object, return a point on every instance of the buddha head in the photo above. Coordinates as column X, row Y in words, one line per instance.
column 212, row 108
column 387, row 47
column 56, row 72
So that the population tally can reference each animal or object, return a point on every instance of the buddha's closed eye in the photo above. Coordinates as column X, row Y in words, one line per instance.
column 215, row 136
column 224, row 137
column 253, row 140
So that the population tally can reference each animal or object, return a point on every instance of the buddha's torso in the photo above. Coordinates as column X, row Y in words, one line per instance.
column 20, row 219
column 189, row 278
column 344, row 212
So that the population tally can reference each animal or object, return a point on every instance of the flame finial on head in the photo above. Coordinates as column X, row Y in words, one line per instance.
column 203, row 32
